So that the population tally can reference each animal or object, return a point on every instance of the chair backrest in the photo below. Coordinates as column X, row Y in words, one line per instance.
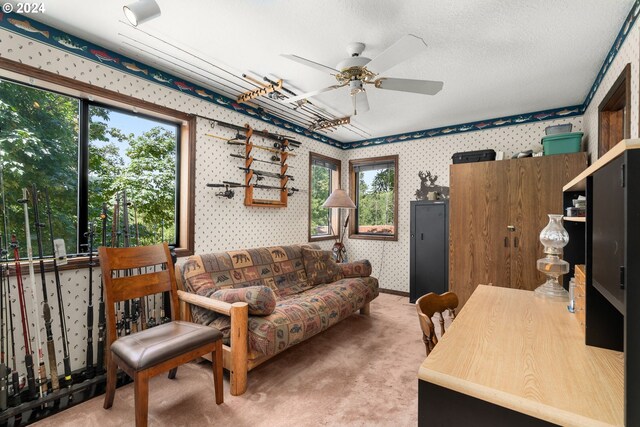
column 427, row 306
column 133, row 279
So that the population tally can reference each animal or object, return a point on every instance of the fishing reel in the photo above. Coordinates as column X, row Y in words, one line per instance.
column 275, row 158
column 292, row 191
column 228, row 193
column 151, row 322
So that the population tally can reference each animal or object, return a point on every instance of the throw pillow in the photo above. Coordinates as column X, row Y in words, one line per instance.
column 360, row 268
column 261, row 299
column 320, row 266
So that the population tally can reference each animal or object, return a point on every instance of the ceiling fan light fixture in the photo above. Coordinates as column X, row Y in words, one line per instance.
column 355, row 87
column 141, row 11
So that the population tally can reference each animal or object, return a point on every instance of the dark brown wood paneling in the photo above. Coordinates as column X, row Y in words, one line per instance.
column 478, row 249
column 487, row 198
column 535, row 190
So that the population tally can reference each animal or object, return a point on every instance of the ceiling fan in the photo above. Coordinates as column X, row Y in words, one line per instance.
column 358, row 71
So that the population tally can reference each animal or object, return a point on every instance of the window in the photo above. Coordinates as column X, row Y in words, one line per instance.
column 324, row 177
column 84, row 153
column 374, row 189
column 137, row 154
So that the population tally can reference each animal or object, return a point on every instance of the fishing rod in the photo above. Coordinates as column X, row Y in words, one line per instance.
column 290, row 190
column 142, row 300
column 32, row 393
column 163, row 318
column 263, row 133
column 266, row 173
column 46, row 308
column 252, row 159
column 125, row 243
column 236, row 141
column 42, row 370
column 252, row 145
column 102, row 320
column 63, row 320
column 115, row 243
column 90, row 370
column 15, row 376
column 3, row 366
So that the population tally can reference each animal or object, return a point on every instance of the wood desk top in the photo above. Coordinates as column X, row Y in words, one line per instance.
column 526, row 353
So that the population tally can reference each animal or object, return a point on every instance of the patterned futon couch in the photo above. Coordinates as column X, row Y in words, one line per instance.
column 266, row 300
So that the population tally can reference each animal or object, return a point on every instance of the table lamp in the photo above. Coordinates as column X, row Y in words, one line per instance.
column 341, row 200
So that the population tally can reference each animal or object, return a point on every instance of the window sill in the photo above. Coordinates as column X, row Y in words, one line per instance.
column 393, row 238
column 322, row 238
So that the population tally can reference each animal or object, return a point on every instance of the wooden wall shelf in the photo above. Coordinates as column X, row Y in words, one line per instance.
column 575, row 218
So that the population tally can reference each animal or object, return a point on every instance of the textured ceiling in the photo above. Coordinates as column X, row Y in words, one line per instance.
column 496, row 57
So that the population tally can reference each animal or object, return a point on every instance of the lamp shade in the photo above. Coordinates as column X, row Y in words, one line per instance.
column 339, row 199
column 141, row 11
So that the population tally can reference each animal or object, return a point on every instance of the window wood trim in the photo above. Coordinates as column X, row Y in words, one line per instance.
column 333, row 235
column 353, row 234
column 67, row 86
column 615, row 111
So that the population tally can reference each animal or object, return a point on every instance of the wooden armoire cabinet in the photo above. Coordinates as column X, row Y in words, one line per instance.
column 497, row 210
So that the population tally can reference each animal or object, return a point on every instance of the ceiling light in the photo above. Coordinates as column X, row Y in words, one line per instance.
column 141, row 11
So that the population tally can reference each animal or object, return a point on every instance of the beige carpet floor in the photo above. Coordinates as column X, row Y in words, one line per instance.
column 360, row 372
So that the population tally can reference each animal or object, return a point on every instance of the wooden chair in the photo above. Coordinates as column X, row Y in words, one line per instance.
column 430, row 304
column 162, row 348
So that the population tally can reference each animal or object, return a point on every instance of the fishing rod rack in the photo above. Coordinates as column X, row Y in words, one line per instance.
column 281, row 149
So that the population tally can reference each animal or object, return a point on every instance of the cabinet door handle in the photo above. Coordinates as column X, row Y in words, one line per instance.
column 421, row 236
column 506, row 242
column 515, row 242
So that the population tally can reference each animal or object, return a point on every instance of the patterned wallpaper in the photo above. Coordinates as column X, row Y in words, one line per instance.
column 221, row 224
column 629, row 52
column 390, row 260
column 227, row 224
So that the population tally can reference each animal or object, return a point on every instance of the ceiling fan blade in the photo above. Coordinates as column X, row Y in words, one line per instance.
column 426, row 87
column 398, row 52
column 310, row 94
column 360, row 103
column 309, row 63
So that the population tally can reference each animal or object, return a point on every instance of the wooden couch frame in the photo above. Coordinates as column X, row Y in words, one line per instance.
column 234, row 356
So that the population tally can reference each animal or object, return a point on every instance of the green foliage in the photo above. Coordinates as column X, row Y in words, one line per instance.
column 39, row 144
column 148, row 175
column 39, row 134
column 320, row 190
column 376, row 203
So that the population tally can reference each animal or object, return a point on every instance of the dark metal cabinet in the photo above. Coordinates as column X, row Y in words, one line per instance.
column 429, row 248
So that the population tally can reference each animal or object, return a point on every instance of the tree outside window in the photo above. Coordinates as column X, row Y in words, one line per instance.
column 375, row 196
column 324, row 177
column 40, row 143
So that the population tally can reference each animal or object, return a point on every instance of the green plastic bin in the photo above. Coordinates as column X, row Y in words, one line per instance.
column 562, row 143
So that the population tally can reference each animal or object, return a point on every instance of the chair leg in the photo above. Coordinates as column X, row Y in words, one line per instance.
column 141, row 397
column 216, row 357
column 173, row 372
column 112, row 372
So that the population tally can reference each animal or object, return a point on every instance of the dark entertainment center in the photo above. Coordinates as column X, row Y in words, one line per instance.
column 608, row 243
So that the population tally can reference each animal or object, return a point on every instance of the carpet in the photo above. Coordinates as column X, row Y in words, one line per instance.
column 360, row 372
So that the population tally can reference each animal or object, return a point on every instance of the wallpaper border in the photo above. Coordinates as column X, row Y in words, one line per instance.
column 77, row 46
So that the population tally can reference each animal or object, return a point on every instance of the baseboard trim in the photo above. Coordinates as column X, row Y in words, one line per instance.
column 394, row 292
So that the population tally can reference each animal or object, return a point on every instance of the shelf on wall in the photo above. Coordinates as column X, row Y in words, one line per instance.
column 579, row 182
column 575, row 218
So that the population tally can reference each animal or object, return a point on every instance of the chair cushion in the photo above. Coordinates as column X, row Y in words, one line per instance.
column 320, row 266
column 155, row 345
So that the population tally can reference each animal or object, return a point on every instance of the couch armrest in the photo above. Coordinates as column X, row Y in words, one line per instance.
column 239, row 313
column 361, row 268
column 210, row 304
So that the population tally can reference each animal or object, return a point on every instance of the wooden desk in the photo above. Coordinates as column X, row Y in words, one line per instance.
column 510, row 349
